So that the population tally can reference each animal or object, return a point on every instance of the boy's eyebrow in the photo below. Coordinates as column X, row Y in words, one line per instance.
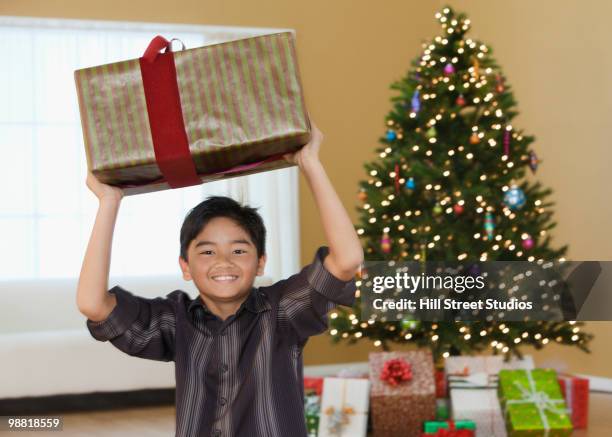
column 204, row 242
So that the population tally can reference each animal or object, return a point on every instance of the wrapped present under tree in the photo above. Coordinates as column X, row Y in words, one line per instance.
column 533, row 404
column 403, row 394
column 575, row 390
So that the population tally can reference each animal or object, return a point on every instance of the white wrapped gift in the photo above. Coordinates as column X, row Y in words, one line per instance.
column 473, row 390
column 481, row 406
column 344, row 407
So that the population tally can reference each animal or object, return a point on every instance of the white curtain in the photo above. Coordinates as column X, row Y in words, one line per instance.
column 46, row 210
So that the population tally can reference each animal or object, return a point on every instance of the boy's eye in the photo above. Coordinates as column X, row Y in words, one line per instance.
column 206, row 252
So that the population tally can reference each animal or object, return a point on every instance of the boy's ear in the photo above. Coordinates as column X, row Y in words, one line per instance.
column 261, row 264
column 185, row 269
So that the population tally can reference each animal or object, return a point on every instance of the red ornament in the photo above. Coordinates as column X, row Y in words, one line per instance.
column 458, row 209
column 460, row 100
column 362, row 195
column 396, row 371
column 500, row 84
column 527, row 243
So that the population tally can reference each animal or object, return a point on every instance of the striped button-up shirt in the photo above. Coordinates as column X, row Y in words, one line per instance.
column 236, row 377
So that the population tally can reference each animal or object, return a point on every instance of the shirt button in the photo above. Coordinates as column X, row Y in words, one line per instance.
column 222, row 401
column 216, row 433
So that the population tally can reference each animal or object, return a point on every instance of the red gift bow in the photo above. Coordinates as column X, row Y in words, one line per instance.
column 396, row 371
column 451, row 431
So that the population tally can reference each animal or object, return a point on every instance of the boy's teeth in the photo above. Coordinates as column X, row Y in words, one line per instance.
column 224, row 278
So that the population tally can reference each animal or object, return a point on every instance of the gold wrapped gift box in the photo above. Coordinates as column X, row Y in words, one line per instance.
column 241, row 103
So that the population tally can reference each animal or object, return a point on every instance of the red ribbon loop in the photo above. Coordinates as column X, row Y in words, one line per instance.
column 156, row 44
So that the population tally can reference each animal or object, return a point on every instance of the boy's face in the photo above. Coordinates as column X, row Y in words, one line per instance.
column 220, row 250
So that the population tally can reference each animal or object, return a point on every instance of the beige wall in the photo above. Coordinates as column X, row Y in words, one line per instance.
column 555, row 54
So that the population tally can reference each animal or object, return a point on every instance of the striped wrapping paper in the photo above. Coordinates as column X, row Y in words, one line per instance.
column 241, row 103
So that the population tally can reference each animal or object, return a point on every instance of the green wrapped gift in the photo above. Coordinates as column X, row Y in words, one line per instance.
column 533, row 404
column 431, row 427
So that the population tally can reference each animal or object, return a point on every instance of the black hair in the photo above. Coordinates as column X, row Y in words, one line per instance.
column 220, row 206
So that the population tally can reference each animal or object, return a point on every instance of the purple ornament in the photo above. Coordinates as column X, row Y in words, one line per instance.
column 449, row 69
column 527, row 243
column 533, row 162
column 506, row 142
column 474, row 270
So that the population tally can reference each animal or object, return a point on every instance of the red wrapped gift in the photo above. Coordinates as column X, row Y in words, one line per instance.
column 576, row 393
column 313, row 385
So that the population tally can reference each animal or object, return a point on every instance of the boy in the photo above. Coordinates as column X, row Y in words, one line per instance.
column 237, row 349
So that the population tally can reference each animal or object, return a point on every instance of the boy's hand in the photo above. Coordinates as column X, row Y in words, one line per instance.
column 308, row 153
column 103, row 191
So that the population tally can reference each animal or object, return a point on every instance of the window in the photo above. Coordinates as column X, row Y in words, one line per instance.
column 47, row 212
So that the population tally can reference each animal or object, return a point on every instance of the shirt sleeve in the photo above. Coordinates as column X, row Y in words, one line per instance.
column 139, row 326
column 309, row 295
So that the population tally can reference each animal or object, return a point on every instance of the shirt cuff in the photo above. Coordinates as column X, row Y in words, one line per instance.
column 119, row 320
column 323, row 281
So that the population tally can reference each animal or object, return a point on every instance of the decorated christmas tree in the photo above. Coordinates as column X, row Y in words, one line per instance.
column 451, row 184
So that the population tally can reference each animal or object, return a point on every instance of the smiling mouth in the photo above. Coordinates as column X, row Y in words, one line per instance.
column 224, row 278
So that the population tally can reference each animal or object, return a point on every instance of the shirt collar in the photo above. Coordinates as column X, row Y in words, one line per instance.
column 255, row 302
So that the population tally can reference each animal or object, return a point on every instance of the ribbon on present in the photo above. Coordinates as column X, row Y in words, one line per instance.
column 396, row 371
column 475, row 380
column 569, row 389
column 540, row 399
column 170, row 142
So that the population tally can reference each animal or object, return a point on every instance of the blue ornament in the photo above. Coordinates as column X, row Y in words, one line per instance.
column 416, row 102
column 410, row 183
column 391, row 135
column 515, row 198
column 489, row 225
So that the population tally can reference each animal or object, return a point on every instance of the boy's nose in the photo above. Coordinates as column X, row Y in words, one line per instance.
column 223, row 259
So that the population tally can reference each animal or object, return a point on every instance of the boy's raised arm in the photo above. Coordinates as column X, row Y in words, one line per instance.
column 93, row 299
column 345, row 251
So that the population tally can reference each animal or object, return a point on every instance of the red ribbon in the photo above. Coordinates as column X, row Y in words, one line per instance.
column 396, row 371
column 170, row 141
